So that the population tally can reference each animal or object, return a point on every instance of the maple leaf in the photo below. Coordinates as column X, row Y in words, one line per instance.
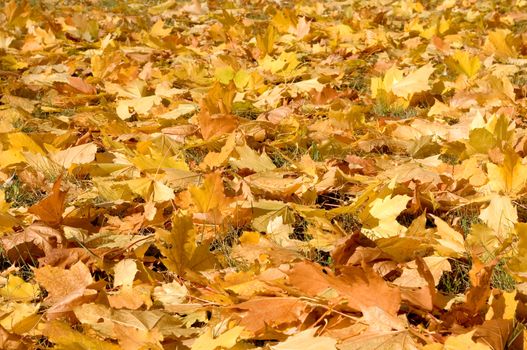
column 355, row 285
column 19, row 290
column 75, row 155
column 383, row 212
column 224, row 340
column 403, row 86
column 210, row 195
column 306, row 340
column 265, row 312
column 509, row 177
column 67, row 339
column 305, row 176
column 50, row 209
column 180, row 248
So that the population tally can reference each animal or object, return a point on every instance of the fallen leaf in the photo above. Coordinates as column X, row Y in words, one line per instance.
column 50, row 209
column 306, row 340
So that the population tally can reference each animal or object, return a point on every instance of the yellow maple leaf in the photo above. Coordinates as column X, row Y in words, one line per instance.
column 210, row 195
column 19, row 290
column 226, row 340
column 509, row 177
column 151, row 189
column 66, row 338
column 180, row 248
column 497, row 43
column 450, row 242
column 500, row 215
column 466, row 64
column 306, row 340
column 383, row 213
column 416, row 81
column 403, row 86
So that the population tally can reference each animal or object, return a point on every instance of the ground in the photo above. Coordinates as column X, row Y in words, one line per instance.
column 263, row 174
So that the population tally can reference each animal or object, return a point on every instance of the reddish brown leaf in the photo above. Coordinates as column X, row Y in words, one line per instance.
column 50, row 209
column 275, row 313
column 357, row 287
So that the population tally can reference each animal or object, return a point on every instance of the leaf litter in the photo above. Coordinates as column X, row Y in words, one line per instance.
column 263, row 175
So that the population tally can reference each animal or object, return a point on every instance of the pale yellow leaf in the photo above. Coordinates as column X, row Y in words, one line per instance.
column 250, row 159
column 75, row 155
column 171, row 293
column 124, row 273
column 500, row 215
column 465, row 342
column 14, row 313
column 208, row 341
column 507, row 178
column 65, row 338
column 450, row 242
column 306, row 340
column 386, row 210
column 414, row 82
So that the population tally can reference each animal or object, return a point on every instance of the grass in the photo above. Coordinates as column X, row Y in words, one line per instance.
column 456, row 281
column 222, row 247
column 466, row 222
column 245, row 110
column 24, row 126
column 383, row 109
column 287, row 155
column 501, row 279
column 4, row 261
column 449, row 158
column 348, row 222
column 195, row 155
column 319, row 256
column 19, row 194
column 464, row 217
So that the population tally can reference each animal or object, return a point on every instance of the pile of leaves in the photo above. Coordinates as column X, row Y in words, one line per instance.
column 263, row 174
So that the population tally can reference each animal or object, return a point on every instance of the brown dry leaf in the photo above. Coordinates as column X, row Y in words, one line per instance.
column 34, row 242
column 494, row 333
column 214, row 118
column 473, row 310
column 216, row 124
column 216, row 159
column 278, row 183
column 253, row 174
column 82, row 85
column 131, row 298
column 417, row 286
column 9, row 341
column 480, row 277
column 255, row 248
column 66, row 257
column 380, row 321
